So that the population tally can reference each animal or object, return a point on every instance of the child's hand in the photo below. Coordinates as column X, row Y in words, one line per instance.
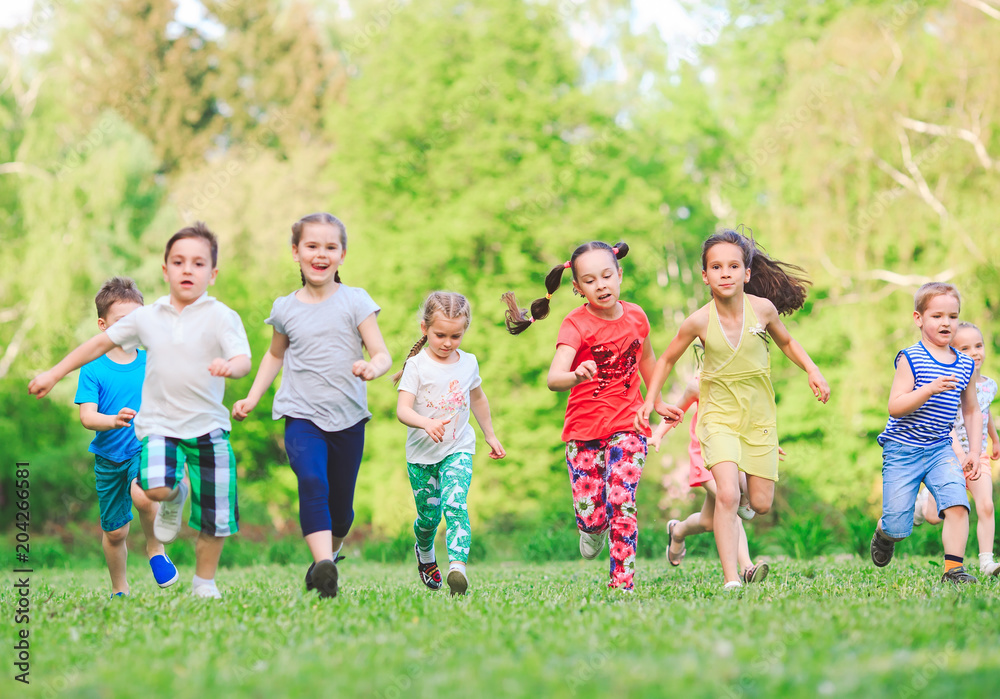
column 942, row 384
column 995, row 454
column 669, row 413
column 363, row 370
column 242, row 408
column 642, row 415
column 970, row 465
column 819, row 386
column 496, row 449
column 654, row 441
column 124, row 417
column 586, row 371
column 42, row 384
column 220, row 367
column 435, row 429
column 781, row 454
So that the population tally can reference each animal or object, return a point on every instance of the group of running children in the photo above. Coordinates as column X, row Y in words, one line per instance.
column 161, row 408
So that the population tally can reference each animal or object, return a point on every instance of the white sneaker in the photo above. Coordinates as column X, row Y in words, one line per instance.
column 209, row 591
column 591, row 544
column 991, row 568
column 746, row 512
column 458, row 583
column 918, row 507
column 732, row 585
column 167, row 525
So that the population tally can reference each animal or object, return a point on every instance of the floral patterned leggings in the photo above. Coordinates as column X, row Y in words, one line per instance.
column 605, row 474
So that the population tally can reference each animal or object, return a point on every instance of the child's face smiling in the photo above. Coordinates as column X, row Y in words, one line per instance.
column 319, row 253
column 188, row 270
column 725, row 272
column 444, row 336
column 969, row 341
column 939, row 320
column 599, row 279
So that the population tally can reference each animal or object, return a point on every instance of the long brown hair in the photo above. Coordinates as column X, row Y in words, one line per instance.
column 325, row 219
column 450, row 305
column 518, row 319
column 781, row 283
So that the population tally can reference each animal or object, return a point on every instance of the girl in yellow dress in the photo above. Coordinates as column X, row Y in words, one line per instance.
column 737, row 416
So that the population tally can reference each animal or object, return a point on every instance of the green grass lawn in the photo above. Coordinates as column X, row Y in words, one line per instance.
column 813, row 629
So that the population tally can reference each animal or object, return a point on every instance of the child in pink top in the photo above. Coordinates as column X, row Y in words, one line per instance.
column 602, row 349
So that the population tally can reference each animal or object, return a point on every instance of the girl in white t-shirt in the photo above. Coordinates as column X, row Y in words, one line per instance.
column 438, row 386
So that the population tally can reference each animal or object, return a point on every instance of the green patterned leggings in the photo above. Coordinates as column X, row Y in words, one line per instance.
column 443, row 487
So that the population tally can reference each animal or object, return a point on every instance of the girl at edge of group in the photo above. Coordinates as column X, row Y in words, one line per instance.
column 438, row 386
column 969, row 340
column 737, row 421
column 319, row 333
column 599, row 349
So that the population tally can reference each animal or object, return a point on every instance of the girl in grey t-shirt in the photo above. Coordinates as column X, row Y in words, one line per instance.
column 319, row 333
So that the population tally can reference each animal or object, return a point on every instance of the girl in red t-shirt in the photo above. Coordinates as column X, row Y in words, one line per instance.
column 600, row 347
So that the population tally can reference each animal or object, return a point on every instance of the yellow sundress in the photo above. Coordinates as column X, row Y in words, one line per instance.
column 737, row 418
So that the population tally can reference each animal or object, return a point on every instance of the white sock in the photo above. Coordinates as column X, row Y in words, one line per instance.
column 198, row 582
column 426, row 556
column 457, row 565
column 985, row 558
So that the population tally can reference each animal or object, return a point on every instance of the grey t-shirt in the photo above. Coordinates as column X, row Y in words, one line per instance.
column 323, row 344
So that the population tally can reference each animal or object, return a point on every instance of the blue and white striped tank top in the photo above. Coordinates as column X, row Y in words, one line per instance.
column 931, row 423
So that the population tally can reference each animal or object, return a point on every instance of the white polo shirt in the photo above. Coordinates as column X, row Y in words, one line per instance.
column 179, row 397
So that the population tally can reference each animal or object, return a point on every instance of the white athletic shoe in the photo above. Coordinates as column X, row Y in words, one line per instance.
column 918, row 507
column 208, row 591
column 746, row 512
column 167, row 525
column 991, row 568
column 732, row 585
column 591, row 544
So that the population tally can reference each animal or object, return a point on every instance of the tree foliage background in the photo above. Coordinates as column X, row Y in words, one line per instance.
column 471, row 145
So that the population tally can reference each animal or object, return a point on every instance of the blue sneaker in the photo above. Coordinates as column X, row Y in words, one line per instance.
column 119, row 594
column 164, row 571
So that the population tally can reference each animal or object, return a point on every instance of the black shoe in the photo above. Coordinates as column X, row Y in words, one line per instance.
column 322, row 577
column 882, row 548
column 430, row 575
column 958, row 575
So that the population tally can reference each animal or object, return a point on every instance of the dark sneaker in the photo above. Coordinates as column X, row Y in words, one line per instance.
column 882, row 548
column 430, row 575
column 958, row 575
column 755, row 574
column 322, row 577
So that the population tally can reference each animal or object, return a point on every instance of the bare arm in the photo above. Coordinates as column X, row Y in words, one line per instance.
column 562, row 377
column 686, row 334
column 992, row 429
column 267, row 372
column 411, row 418
column 100, row 344
column 904, row 399
column 379, row 360
column 481, row 410
column 973, row 427
column 794, row 351
column 99, row 422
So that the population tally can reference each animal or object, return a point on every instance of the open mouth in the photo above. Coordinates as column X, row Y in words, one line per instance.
column 604, row 297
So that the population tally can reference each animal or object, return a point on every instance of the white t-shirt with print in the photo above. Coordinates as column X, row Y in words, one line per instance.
column 441, row 391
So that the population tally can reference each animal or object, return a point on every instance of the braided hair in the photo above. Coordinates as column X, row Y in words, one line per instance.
column 450, row 305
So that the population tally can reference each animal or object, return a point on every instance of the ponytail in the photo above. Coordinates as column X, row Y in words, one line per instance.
column 519, row 319
column 417, row 346
column 781, row 283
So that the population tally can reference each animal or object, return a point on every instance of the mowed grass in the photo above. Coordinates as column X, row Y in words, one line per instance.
column 813, row 629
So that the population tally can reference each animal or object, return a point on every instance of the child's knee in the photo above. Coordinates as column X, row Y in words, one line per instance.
column 117, row 536
column 956, row 513
column 159, row 494
column 761, row 504
column 727, row 498
column 984, row 509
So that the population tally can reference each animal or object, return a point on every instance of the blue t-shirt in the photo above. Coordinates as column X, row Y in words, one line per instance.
column 113, row 386
column 931, row 423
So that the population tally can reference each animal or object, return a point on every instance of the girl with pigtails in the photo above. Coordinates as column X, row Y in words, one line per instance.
column 439, row 386
column 601, row 347
column 737, row 415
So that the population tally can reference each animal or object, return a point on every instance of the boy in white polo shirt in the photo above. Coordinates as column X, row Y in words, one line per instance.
column 193, row 343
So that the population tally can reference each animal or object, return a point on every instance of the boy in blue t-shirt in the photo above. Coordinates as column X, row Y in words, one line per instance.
column 109, row 395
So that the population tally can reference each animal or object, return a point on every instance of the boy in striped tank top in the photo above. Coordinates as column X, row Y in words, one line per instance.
column 932, row 381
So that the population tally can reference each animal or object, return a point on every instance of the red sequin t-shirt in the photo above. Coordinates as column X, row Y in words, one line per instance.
column 607, row 403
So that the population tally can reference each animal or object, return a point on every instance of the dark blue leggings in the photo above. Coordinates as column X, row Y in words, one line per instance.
column 326, row 464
